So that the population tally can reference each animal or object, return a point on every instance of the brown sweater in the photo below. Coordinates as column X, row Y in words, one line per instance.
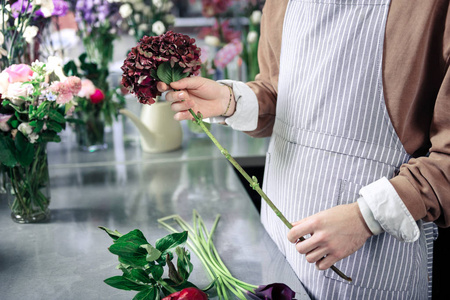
column 417, row 92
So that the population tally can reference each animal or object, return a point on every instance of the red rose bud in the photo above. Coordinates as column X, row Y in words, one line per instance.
column 189, row 293
column 273, row 291
column 97, row 96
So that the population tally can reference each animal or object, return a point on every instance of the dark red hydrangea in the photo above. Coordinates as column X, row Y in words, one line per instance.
column 151, row 51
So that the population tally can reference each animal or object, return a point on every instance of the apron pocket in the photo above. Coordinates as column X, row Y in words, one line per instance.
column 383, row 263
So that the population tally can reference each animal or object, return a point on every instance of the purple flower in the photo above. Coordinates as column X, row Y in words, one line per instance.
column 273, row 291
column 94, row 12
column 60, row 8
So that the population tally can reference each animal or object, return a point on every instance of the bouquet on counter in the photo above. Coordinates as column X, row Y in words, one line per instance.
column 24, row 28
column 143, row 265
column 34, row 102
column 169, row 58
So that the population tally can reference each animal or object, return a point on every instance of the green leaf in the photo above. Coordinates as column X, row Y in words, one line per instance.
column 156, row 271
column 56, row 116
column 128, row 250
column 153, row 253
column 171, row 241
column 25, row 150
column 54, row 126
column 7, row 150
column 139, row 275
column 150, row 293
column 14, row 123
column 135, row 236
column 38, row 125
column 167, row 74
column 184, row 264
column 49, row 136
column 113, row 234
column 120, row 282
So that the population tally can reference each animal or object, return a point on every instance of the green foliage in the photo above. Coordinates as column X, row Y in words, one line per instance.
column 167, row 74
column 143, row 264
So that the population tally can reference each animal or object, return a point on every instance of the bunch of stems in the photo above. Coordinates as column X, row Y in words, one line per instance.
column 200, row 241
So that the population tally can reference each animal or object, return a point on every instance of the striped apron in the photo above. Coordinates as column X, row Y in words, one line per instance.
column 331, row 137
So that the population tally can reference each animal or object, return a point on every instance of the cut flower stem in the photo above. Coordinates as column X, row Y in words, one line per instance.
column 253, row 181
column 200, row 242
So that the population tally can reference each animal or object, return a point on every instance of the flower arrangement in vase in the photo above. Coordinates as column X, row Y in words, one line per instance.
column 34, row 102
column 24, row 28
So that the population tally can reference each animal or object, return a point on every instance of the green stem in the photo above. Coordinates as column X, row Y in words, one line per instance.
column 253, row 182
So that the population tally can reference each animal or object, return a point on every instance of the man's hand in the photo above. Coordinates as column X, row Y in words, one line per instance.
column 335, row 234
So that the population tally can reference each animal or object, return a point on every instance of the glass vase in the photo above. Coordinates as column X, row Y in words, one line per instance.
column 30, row 189
column 90, row 132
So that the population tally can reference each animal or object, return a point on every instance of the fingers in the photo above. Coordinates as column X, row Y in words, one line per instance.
column 299, row 229
column 162, row 87
column 188, row 83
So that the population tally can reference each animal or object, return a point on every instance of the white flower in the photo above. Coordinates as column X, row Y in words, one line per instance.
column 131, row 31
column 158, row 28
column 46, row 7
column 167, row 6
column 169, row 18
column 252, row 37
column 54, row 65
column 4, row 82
column 157, row 3
column 143, row 27
column 29, row 33
column 255, row 17
column 33, row 137
column 15, row 91
column 125, row 10
column 37, row 64
column 4, row 17
column 212, row 41
column 139, row 7
column 25, row 128
column 147, row 11
column 2, row 38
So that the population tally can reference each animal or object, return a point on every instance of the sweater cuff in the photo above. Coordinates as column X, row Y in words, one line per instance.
column 245, row 118
column 389, row 210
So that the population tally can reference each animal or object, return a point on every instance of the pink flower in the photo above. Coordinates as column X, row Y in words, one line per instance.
column 19, row 73
column 228, row 33
column 87, row 89
column 59, row 88
column 215, row 7
column 97, row 96
column 225, row 55
column 4, row 126
column 64, row 98
column 73, row 84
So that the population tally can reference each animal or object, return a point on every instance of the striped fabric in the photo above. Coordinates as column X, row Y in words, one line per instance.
column 333, row 136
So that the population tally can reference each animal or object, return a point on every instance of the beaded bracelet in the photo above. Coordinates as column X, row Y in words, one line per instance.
column 229, row 101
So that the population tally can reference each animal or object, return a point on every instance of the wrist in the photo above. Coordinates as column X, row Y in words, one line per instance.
column 228, row 101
